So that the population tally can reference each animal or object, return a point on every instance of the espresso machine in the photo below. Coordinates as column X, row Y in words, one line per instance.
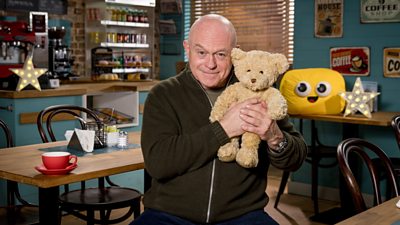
column 16, row 40
column 60, row 58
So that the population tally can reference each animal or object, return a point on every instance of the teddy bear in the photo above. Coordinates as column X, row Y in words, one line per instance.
column 256, row 71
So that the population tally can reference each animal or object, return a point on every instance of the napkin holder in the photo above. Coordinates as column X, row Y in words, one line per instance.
column 82, row 140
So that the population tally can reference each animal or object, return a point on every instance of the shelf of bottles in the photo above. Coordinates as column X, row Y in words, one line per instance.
column 125, row 27
column 123, row 24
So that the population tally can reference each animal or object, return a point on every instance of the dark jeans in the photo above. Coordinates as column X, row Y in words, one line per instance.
column 155, row 217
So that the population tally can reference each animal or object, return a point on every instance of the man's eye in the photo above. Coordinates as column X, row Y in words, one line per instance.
column 221, row 55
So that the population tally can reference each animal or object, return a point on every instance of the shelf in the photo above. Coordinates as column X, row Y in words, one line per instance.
column 130, row 70
column 150, row 3
column 121, row 101
column 124, row 45
column 125, row 24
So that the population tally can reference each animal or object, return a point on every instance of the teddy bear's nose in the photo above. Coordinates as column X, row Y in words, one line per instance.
column 253, row 80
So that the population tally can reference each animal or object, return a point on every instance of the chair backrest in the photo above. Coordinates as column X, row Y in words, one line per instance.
column 7, row 133
column 375, row 160
column 396, row 128
column 47, row 115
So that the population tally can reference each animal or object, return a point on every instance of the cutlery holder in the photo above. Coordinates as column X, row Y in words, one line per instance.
column 100, row 138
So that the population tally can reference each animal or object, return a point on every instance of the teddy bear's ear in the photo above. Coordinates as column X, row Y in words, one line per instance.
column 281, row 63
column 237, row 54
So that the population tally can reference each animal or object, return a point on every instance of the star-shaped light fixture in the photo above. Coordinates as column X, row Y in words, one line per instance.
column 357, row 100
column 28, row 74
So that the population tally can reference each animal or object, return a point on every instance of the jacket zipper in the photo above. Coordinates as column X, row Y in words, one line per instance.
column 213, row 165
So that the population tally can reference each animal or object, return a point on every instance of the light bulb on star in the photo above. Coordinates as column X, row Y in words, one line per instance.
column 357, row 100
column 28, row 74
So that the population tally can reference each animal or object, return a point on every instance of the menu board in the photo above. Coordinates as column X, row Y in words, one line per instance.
column 21, row 5
column 53, row 6
column 49, row 6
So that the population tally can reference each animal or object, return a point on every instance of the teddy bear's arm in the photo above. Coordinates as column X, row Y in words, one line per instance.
column 223, row 102
column 276, row 103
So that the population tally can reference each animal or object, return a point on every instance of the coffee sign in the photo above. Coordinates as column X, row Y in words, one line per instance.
column 379, row 11
column 391, row 62
column 350, row 61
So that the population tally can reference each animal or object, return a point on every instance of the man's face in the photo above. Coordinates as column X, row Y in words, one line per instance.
column 209, row 52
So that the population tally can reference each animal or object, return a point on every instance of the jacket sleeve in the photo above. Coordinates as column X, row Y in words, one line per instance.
column 292, row 157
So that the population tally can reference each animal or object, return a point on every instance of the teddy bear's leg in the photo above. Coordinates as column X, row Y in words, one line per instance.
column 227, row 153
column 247, row 155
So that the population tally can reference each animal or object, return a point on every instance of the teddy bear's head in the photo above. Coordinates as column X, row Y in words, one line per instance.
column 258, row 70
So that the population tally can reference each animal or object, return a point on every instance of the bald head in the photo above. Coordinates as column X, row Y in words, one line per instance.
column 213, row 22
column 211, row 40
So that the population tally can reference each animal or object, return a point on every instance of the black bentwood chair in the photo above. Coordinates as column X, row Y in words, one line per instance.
column 103, row 198
column 18, row 211
column 395, row 123
column 396, row 129
column 367, row 152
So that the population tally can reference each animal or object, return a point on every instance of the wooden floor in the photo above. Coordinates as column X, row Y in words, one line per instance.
column 292, row 209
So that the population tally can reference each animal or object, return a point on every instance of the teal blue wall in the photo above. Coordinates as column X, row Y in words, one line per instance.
column 171, row 48
column 314, row 52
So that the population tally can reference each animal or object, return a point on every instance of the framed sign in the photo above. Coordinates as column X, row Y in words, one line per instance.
column 38, row 22
column 391, row 62
column 328, row 18
column 350, row 60
column 380, row 11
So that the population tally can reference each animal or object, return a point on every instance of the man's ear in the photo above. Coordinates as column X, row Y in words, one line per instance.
column 185, row 44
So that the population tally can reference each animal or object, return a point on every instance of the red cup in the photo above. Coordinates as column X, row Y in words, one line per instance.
column 59, row 160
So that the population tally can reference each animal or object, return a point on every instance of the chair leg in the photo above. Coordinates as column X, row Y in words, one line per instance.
column 314, row 184
column 136, row 209
column 90, row 216
column 104, row 216
column 285, row 178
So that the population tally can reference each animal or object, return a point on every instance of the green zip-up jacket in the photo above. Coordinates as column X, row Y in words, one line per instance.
column 180, row 145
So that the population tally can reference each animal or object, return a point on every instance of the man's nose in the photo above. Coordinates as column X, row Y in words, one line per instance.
column 211, row 61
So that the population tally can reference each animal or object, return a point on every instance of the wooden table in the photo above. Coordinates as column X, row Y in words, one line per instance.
column 350, row 129
column 17, row 164
column 378, row 118
column 384, row 214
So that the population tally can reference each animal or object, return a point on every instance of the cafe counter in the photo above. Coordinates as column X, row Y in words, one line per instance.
column 20, row 109
column 72, row 89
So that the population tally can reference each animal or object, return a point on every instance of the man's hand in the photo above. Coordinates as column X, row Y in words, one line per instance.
column 256, row 118
column 232, row 122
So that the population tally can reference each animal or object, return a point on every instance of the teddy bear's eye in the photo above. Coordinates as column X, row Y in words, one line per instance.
column 303, row 89
column 262, row 72
column 323, row 88
column 248, row 70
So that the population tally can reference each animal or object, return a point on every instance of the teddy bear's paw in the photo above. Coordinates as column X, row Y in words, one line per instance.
column 277, row 114
column 227, row 153
column 247, row 158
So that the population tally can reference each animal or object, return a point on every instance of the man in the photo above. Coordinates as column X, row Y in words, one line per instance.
column 189, row 184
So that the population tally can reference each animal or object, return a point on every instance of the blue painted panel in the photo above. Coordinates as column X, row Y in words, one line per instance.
column 143, row 96
column 31, row 135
